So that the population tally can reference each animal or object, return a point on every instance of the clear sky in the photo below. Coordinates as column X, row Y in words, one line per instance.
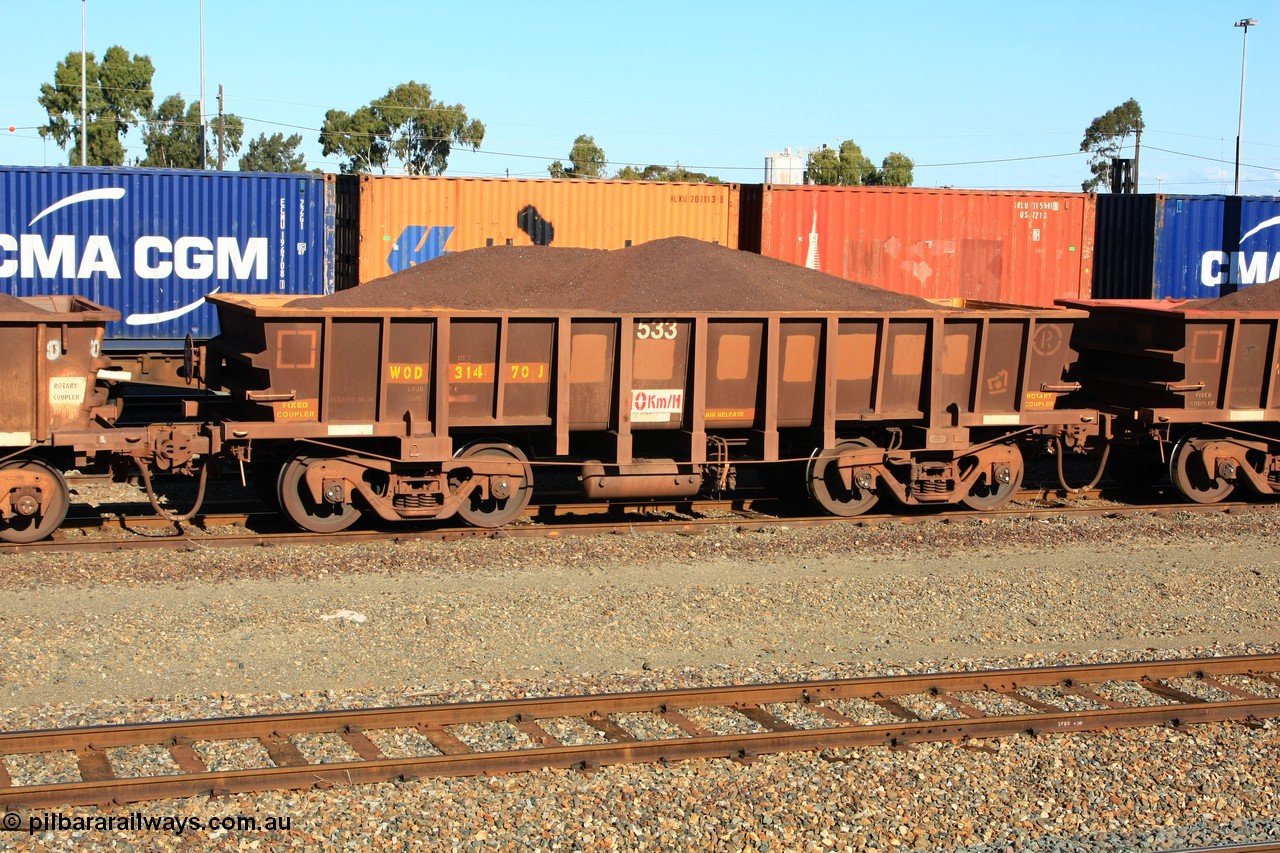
column 992, row 95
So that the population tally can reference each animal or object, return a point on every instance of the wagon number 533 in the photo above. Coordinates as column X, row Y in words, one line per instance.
column 657, row 330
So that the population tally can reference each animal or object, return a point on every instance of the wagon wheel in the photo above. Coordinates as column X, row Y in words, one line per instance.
column 301, row 507
column 508, row 496
column 29, row 524
column 827, row 488
column 1186, row 472
column 997, row 486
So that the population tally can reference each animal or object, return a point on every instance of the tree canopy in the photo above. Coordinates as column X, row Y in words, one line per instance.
column 172, row 136
column 849, row 167
column 274, row 153
column 586, row 160
column 407, row 124
column 665, row 173
column 1104, row 139
column 117, row 96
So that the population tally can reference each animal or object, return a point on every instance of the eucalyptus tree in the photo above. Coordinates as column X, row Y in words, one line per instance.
column 1104, row 139
column 118, row 96
column 172, row 136
column 847, row 166
column 406, row 125
column 665, row 173
column 274, row 153
column 586, row 160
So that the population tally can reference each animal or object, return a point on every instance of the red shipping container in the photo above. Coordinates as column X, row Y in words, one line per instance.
column 1015, row 247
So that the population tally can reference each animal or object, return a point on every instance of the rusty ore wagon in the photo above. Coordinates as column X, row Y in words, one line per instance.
column 48, row 392
column 412, row 413
column 1192, row 388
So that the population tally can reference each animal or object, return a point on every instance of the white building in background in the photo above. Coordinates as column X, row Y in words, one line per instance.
column 786, row 167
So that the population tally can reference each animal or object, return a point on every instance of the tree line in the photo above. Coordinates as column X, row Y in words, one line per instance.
column 119, row 96
column 407, row 126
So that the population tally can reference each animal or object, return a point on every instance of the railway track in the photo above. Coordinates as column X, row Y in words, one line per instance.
column 585, row 732
column 238, row 528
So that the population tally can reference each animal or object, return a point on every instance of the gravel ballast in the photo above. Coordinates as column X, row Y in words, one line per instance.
column 151, row 635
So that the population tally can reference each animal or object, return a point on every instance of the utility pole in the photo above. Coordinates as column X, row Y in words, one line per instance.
column 1245, row 23
column 204, row 141
column 220, row 127
column 84, row 127
column 1137, row 154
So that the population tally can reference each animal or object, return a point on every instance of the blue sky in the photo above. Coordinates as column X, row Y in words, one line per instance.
column 992, row 95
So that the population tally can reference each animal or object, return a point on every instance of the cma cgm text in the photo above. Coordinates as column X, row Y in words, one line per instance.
column 1215, row 267
column 154, row 257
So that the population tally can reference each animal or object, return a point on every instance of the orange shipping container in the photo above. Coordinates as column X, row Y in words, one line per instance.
column 1015, row 247
column 404, row 221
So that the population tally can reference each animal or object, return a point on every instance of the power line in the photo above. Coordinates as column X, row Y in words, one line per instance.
column 1001, row 160
column 1210, row 159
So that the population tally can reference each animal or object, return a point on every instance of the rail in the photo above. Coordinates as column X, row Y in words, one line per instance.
column 214, row 530
column 732, row 722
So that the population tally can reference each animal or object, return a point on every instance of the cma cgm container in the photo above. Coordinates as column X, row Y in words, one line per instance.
column 152, row 243
column 1184, row 247
column 404, row 221
column 1012, row 247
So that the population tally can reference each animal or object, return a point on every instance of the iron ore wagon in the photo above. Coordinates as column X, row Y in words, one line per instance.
column 387, row 403
column 1191, row 386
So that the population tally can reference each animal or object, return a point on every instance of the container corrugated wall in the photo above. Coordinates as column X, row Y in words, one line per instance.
column 1123, row 247
column 1185, row 247
column 405, row 221
column 152, row 243
column 1014, row 247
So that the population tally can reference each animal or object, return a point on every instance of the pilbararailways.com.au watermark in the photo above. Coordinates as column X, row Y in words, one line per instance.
column 141, row 822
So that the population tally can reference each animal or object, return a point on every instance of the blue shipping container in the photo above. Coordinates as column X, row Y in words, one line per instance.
column 152, row 243
column 1184, row 247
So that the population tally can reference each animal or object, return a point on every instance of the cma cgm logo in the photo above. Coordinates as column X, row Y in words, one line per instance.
column 1242, row 267
column 189, row 258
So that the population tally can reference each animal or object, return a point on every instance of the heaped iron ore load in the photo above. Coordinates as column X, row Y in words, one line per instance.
column 658, row 369
column 1259, row 297
column 673, row 274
